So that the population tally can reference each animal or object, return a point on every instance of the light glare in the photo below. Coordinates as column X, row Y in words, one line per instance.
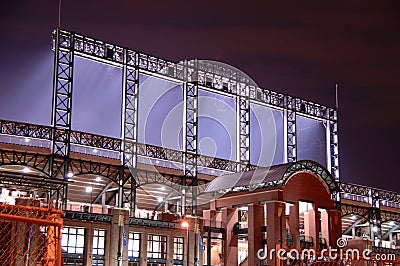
column 26, row 170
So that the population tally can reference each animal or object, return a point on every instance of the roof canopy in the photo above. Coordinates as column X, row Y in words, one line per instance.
column 276, row 175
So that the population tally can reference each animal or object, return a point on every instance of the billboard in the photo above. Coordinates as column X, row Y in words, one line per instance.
column 311, row 140
column 96, row 98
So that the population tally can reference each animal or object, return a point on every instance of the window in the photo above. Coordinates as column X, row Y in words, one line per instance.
column 73, row 240
column 157, row 246
column 178, row 248
column 99, row 240
column 134, row 245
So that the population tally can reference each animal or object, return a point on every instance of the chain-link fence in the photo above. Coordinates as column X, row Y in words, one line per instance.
column 30, row 236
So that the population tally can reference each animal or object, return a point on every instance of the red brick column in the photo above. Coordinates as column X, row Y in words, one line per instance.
column 275, row 227
column 314, row 225
column 230, row 218
column 335, row 226
column 255, row 235
column 294, row 227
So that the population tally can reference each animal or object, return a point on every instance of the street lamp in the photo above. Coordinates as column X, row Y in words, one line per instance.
column 185, row 224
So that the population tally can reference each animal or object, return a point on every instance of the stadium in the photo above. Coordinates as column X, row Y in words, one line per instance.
column 198, row 166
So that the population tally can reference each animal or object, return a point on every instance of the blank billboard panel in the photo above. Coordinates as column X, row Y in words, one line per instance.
column 266, row 136
column 311, row 140
column 96, row 98
column 160, row 112
column 217, row 125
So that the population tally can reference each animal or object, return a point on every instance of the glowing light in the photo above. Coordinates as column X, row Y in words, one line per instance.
column 88, row 189
column 26, row 170
column 160, row 199
column 162, row 188
column 95, row 150
column 157, row 161
column 27, row 140
column 185, row 224
column 375, row 229
column 69, row 175
column 98, row 179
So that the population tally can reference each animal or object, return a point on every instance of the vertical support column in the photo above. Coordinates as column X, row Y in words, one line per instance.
column 335, row 226
column 375, row 226
column 294, row 226
column 133, row 194
column 130, row 84
column 275, row 227
column 118, row 253
column 255, row 235
column 230, row 218
column 190, row 97
column 313, row 226
column 290, row 128
column 87, row 260
column 62, row 102
column 334, row 145
column 243, row 126
column 170, row 250
column 120, row 196
column 325, row 226
column 143, row 248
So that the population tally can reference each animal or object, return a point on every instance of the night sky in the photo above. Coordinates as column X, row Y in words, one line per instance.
column 302, row 48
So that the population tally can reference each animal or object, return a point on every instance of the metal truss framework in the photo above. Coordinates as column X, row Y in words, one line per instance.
column 116, row 173
column 130, row 118
column 62, row 94
column 374, row 216
column 26, row 134
column 62, row 101
column 295, row 167
column 334, row 146
column 375, row 197
column 243, row 113
column 290, row 116
column 375, row 210
column 193, row 75
column 314, row 168
column 190, row 146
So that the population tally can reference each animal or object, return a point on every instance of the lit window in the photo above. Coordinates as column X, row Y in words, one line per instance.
column 178, row 248
column 99, row 240
column 73, row 240
column 134, row 245
column 157, row 246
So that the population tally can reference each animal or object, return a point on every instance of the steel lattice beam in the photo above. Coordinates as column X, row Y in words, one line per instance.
column 129, row 123
column 334, row 147
column 290, row 134
column 62, row 101
column 243, row 122
column 209, row 75
column 190, row 91
column 62, row 92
